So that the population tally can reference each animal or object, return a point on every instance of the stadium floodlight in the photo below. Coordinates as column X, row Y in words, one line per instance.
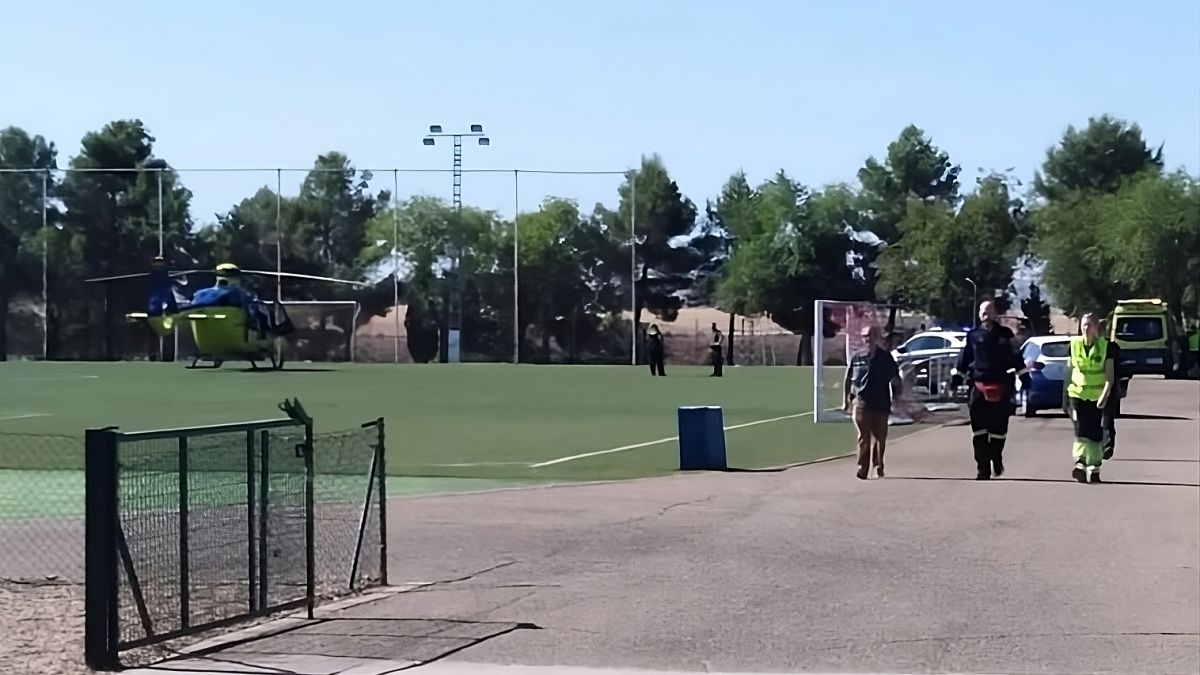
column 435, row 130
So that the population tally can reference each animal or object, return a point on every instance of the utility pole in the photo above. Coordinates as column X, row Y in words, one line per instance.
column 451, row 341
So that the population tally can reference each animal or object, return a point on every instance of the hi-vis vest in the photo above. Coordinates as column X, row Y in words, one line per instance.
column 1087, row 369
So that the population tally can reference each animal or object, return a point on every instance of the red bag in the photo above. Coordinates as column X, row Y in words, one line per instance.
column 993, row 392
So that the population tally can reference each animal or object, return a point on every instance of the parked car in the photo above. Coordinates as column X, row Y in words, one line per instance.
column 1047, row 357
column 931, row 343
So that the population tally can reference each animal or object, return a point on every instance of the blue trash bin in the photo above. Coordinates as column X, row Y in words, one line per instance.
column 701, row 439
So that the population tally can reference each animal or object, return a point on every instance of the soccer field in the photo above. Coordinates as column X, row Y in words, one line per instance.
column 452, row 425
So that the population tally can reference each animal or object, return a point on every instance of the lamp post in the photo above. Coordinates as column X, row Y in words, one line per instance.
column 454, row 320
column 974, row 301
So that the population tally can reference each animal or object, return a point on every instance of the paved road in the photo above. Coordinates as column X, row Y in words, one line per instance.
column 810, row 569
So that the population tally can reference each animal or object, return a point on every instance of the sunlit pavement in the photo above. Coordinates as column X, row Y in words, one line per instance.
column 807, row 570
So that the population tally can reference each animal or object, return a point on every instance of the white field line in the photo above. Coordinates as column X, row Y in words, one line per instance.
column 50, row 378
column 25, row 416
column 659, row 441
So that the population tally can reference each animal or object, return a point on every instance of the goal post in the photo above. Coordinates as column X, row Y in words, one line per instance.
column 324, row 330
column 926, row 379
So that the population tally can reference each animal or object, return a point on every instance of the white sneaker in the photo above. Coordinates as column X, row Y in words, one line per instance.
column 1093, row 474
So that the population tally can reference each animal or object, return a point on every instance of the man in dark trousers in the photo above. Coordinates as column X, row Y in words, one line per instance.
column 655, row 340
column 1112, row 409
column 717, row 356
column 989, row 362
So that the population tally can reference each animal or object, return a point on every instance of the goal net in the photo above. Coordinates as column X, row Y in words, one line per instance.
column 323, row 331
column 926, row 378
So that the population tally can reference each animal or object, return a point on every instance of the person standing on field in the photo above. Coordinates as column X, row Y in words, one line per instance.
column 657, row 351
column 716, row 355
column 989, row 361
column 1090, row 378
column 872, row 380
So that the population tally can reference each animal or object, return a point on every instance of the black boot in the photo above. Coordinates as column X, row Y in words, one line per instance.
column 983, row 457
column 997, row 448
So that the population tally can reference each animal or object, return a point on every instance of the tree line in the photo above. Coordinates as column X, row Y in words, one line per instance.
column 1101, row 220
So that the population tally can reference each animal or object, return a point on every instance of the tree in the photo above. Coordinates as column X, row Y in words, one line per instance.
column 939, row 249
column 335, row 205
column 664, row 221
column 797, row 248
column 1074, row 234
column 21, row 211
column 432, row 236
column 1151, row 230
column 112, row 202
column 913, row 168
column 1097, row 159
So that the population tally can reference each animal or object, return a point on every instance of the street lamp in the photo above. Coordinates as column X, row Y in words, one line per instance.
column 454, row 320
column 974, row 300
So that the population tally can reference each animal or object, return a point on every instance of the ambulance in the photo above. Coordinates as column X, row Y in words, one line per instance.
column 1150, row 343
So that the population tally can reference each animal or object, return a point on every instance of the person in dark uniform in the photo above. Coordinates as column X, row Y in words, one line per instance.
column 989, row 362
column 655, row 340
column 1108, row 416
column 716, row 355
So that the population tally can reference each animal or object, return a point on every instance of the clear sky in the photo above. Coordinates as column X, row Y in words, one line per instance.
column 811, row 87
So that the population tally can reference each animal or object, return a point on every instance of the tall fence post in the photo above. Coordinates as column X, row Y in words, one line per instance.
column 185, row 584
column 381, row 452
column 310, row 551
column 100, row 549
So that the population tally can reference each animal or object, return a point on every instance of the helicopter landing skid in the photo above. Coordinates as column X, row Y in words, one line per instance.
column 195, row 365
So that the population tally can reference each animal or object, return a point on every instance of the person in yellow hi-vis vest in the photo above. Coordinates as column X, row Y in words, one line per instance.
column 1090, row 378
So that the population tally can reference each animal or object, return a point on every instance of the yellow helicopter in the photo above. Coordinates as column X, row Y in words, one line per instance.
column 228, row 322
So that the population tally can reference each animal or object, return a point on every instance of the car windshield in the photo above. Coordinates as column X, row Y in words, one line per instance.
column 1140, row 328
column 1056, row 350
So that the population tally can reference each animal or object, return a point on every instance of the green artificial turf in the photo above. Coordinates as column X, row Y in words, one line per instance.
column 486, row 425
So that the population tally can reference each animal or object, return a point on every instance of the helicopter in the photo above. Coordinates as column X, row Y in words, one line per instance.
column 228, row 322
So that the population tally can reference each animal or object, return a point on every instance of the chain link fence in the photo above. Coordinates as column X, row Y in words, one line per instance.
column 207, row 533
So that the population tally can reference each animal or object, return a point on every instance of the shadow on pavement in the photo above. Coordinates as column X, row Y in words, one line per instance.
column 1139, row 416
column 1046, row 480
column 1152, row 459
column 419, row 641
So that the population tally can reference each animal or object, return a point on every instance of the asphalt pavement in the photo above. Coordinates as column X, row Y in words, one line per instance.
column 804, row 570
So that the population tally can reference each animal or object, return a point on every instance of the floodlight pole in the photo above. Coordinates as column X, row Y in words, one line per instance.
column 45, row 267
column 454, row 320
column 396, row 263
column 161, row 246
column 633, row 319
column 516, row 267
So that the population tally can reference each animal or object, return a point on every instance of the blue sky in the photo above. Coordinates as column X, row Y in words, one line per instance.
column 811, row 87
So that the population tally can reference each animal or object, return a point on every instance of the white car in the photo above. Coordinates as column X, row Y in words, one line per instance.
column 932, row 350
column 1047, row 357
column 931, row 343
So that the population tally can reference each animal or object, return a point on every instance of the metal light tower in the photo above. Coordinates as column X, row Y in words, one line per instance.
column 454, row 328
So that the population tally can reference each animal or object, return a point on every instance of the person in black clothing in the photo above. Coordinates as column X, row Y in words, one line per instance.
column 717, row 357
column 655, row 338
column 989, row 361
column 1108, row 416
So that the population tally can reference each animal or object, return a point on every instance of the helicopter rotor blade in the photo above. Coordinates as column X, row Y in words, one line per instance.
column 117, row 277
column 313, row 277
column 137, row 275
